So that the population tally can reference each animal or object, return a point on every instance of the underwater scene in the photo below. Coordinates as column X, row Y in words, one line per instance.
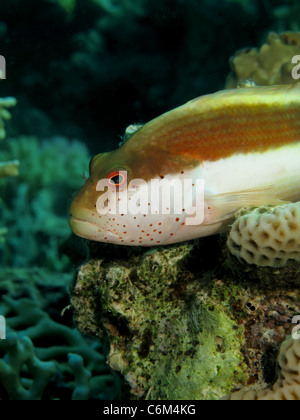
column 149, row 201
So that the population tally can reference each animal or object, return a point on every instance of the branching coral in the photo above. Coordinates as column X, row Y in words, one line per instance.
column 56, row 339
column 42, row 358
column 82, row 378
column 269, row 65
column 34, row 209
column 45, row 349
column 267, row 236
column 22, row 374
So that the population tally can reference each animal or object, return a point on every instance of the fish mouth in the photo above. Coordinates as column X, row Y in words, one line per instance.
column 73, row 219
column 88, row 230
column 83, row 228
column 80, row 221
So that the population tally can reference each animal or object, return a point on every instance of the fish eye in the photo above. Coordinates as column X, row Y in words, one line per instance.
column 117, row 179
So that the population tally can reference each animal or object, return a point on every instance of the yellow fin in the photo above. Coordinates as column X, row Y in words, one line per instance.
column 223, row 206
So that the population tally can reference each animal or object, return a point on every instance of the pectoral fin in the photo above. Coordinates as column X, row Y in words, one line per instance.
column 223, row 206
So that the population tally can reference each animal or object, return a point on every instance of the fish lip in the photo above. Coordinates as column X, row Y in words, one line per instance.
column 77, row 219
column 94, row 226
column 83, row 222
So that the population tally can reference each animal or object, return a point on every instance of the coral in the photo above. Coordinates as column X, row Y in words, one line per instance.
column 44, row 343
column 5, row 114
column 179, row 322
column 287, row 386
column 47, row 163
column 38, row 326
column 42, row 358
column 175, row 329
column 269, row 65
column 267, row 236
column 22, row 374
column 82, row 378
column 34, row 209
column 9, row 168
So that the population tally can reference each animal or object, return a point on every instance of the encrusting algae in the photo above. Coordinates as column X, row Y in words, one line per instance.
column 168, row 337
column 176, row 327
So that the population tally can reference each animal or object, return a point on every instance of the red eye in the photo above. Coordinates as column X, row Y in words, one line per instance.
column 117, row 179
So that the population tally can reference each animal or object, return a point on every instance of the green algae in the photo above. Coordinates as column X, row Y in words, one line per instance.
column 168, row 335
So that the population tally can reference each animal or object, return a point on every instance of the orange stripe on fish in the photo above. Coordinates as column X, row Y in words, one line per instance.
column 219, row 125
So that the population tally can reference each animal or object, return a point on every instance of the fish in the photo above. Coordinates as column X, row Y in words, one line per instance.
column 221, row 152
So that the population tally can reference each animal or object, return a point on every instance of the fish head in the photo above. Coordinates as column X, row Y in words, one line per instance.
column 123, row 202
column 85, row 220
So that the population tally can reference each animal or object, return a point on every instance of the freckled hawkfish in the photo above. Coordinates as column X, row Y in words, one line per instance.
column 244, row 144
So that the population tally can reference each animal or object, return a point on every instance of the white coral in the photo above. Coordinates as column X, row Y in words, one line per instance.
column 268, row 236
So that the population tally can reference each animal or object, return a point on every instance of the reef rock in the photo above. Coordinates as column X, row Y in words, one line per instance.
column 287, row 386
column 182, row 323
